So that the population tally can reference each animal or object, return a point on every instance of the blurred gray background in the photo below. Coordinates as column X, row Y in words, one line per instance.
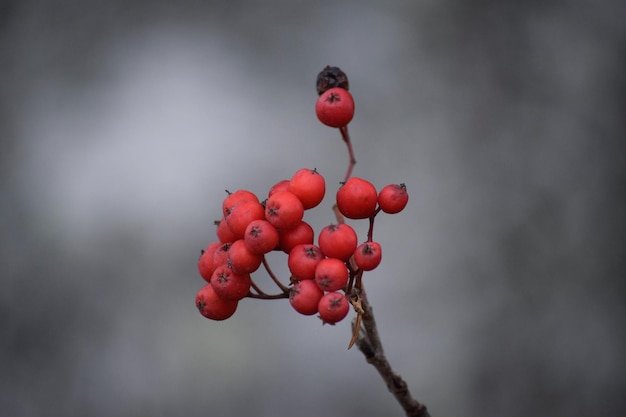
column 501, row 291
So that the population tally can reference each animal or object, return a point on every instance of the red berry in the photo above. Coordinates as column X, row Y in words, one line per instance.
column 368, row 255
column 282, row 185
column 213, row 307
column 309, row 186
column 338, row 241
column 393, row 198
column 205, row 263
column 284, row 210
column 357, row 198
column 234, row 198
column 335, row 107
column 333, row 307
column 288, row 239
column 230, row 286
column 241, row 259
column 331, row 274
column 223, row 232
column 303, row 260
column 261, row 237
column 305, row 296
column 220, row 256
column 241, row 214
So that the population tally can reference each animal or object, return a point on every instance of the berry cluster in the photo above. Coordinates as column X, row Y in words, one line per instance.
column 325, row 277
column 322, row 274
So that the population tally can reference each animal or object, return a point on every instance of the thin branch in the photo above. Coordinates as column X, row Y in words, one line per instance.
column 346, row 138
column 369, row 343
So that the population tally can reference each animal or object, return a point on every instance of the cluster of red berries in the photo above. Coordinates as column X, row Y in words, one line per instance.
column 320, row 274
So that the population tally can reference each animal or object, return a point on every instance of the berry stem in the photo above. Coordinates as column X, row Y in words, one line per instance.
column 282, row 287
column 369, row 343
column 264, row 296
column 346, row 138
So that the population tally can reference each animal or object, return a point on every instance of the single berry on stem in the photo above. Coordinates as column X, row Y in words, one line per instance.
column 335, row 107
column 393, row 198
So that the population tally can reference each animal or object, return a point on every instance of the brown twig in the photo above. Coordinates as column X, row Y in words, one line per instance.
column 369, row 343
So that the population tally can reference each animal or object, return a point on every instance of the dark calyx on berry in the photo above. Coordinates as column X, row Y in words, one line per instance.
column 331, row 77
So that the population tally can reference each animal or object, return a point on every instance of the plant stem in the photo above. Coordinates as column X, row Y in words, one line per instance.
column 346, row 138
column 369, row 343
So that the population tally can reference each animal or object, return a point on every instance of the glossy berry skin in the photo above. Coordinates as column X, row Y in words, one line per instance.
column 357, row 198
column 261, row 237
column 393, row 198
column 309, row 186
column 228, row 285
column 302, row 233
column 331, row 274
column 303, row 260
column 284, row 210
column 234, row 198
column 213, row 307
column 335, row 107
column 368, row 255
column 338, row 241
column 333, row 307
column 305, row 296
column 241, row 260
column 241, row 214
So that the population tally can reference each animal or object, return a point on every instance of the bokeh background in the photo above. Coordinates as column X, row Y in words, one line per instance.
column 122, row 122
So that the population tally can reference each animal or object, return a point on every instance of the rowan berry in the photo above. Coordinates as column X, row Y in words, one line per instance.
column 357, row 198
column 282, row 185
column 261, row 237
column 234, row 198
column 393, row 198
column 338, row 241
column 229, row 285
column 284, row 210
column 309, row 186
column 335, row 107
column 303, row 260
column 331, row 274
column 213, row 307
column 302, row 233
column 241, row 214
column 368, row 255
column 241, row 259
column 205, row 262
column 305, row 296
column 333, row 307
column 220, row 255
column 223, row 232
